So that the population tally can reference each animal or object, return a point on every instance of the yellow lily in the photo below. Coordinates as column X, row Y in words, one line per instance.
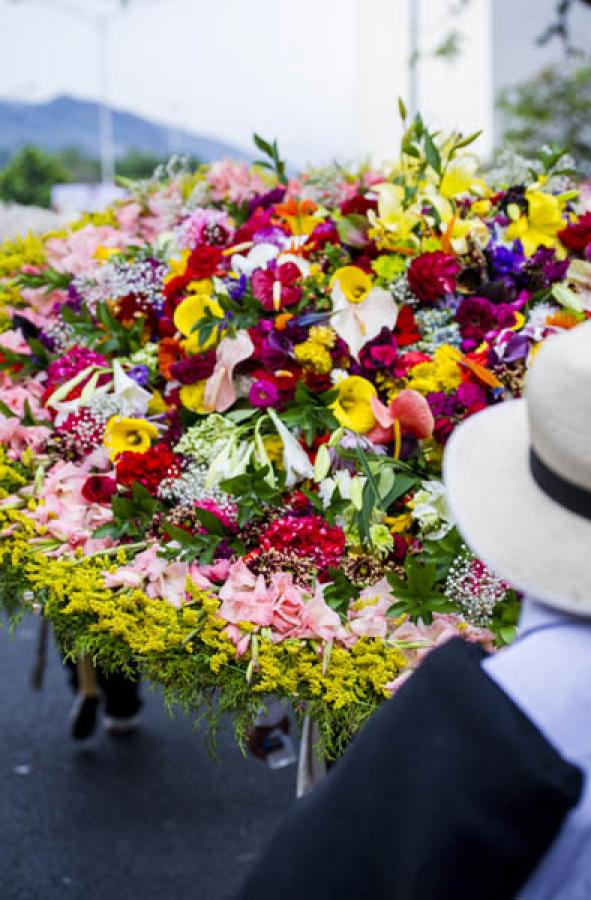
column 539, row 228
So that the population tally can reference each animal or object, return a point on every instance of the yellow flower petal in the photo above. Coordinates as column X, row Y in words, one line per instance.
column 352, row 408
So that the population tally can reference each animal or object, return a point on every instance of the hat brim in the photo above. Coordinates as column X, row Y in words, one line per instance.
column 523, row 535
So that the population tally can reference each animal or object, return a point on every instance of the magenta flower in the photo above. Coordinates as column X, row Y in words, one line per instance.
column 263, row 393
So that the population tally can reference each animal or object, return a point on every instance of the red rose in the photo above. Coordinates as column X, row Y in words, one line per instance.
column 577, row 237
column 99, row 489
column 432, row 275
column 203, row 262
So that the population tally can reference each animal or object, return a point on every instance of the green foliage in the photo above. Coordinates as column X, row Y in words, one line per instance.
column 252, row 493
column 419, row 594
column 311, row 412
column 271, row 160
column 104, row 331
column 554, row 108
column 29, row 176
column 132, row 516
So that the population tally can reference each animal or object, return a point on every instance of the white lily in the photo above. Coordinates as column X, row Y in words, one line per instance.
column 131, row 398
column 578, row 279
column 295, row 459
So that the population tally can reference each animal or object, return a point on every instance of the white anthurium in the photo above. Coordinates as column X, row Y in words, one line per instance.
column 257, row 258
column 295, row 459
column 361, row 321
column 578, row 279
column 131, row 398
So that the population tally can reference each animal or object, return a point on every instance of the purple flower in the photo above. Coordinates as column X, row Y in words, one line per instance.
column 475, row 316
column 265, row 200
column 505, row 261
column 140, row 374
column 236, row 286
column 469, row 394
column 263, row 393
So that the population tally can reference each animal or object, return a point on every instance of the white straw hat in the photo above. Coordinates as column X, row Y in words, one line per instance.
column 518, row 478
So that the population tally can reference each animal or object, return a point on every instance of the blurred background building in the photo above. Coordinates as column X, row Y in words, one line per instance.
column 322, row 76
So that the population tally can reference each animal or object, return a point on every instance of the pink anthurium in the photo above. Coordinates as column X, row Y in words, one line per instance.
column 412, row 412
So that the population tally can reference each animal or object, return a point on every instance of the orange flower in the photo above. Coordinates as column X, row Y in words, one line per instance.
column 169, row 352
column 299, row 214
column 563, row 319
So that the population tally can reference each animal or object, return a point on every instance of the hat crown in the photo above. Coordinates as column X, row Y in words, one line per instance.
column 558, row 395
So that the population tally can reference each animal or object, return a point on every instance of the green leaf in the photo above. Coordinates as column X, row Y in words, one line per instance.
column 402, row 109
column 432, row 154
column 210, row 522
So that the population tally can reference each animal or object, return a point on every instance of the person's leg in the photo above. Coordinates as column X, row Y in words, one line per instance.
column 122, row 701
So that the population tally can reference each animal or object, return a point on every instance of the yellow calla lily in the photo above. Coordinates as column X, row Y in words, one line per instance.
column 354, row 283
column 123, row 434
column 188, row 313
column 192, row 396
column 352, row 408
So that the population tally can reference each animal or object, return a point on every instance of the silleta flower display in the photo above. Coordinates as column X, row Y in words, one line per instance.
column 223, row 408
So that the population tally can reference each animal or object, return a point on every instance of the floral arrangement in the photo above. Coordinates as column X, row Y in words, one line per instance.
column 223, row 408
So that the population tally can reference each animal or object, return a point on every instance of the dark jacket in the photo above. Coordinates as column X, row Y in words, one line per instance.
column 449, row 791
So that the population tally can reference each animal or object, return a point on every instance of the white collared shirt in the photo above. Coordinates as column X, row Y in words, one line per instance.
column 547, row 673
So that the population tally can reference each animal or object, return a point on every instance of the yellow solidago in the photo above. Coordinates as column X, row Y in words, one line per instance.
column 21, row 251
column 442, row 374
column 313, row 357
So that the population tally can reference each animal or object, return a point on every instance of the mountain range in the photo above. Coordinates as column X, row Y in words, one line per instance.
column 66, row 122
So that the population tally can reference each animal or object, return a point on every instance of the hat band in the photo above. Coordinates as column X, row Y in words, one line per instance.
column 569, row 495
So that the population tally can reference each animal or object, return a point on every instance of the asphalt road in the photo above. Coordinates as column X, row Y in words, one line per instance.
column 148, row 817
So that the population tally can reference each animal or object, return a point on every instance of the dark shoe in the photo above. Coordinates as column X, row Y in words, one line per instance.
column 83, row 716
column 117, row 726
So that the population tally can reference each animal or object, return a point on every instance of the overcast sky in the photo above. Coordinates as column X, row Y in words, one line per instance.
column 224, row 67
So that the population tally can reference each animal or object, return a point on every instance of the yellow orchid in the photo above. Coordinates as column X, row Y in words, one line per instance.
column 123, row 434
column 352, row 408
column 539, row 228
column 189, row 312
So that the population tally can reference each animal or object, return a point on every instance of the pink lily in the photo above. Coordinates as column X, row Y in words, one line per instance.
column 220, row 392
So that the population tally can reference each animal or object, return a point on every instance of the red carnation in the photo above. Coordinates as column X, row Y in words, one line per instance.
column 308, row 536
column 263, row 286
column 149, row 468
column 99, row 489
column 432, row 275
column 577, row 237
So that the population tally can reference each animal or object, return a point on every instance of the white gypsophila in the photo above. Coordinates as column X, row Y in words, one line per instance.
column 431, row 512
column 338, row 375
column 191, row 487
column 474, row 588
